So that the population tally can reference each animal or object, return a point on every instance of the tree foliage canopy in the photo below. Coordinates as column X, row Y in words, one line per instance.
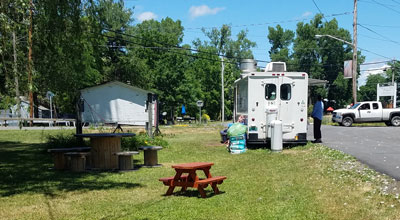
column 82, row 43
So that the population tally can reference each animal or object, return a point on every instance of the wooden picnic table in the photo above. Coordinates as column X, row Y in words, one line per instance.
column 103, row 149
column 191, row 179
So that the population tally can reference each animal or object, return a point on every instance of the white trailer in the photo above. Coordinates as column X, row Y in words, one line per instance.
column 262, row 97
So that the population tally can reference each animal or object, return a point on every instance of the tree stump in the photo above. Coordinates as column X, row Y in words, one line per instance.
column 150, row 156
column 125, row 159
column 77, row 161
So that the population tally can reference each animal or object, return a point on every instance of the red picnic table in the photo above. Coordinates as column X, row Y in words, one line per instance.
column 190, row 178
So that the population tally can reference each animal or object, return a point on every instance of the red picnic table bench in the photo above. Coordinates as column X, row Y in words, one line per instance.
column 190, row 178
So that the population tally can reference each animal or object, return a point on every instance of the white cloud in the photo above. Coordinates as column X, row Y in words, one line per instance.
column 306, row 14
column 372, row 70
column 202, row 10
column 146, row 16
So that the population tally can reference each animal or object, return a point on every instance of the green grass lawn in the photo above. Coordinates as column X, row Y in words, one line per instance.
column 304, row 182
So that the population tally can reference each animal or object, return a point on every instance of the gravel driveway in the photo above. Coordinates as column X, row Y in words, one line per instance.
column 378, row 147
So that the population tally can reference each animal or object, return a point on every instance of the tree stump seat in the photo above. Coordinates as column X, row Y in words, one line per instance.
column 58, row 154
column 150, row 155
column 77, row 161
column 125, row 159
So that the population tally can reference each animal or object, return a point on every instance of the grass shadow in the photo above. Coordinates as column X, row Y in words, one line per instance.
column 195, row 193
column 26, row 167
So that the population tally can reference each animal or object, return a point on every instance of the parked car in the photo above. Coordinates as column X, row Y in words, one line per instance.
column 367, row 112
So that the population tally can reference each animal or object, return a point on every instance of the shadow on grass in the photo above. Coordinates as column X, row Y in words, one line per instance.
column 195, row 193
column 27, row 167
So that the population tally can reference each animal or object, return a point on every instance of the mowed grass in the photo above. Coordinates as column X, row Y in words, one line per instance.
column 304, row 182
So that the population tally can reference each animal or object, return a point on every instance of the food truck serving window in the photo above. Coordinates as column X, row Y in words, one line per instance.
column 270, row 92
column 286, row 92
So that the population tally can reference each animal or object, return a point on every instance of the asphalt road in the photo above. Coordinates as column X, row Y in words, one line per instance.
column 378, row 147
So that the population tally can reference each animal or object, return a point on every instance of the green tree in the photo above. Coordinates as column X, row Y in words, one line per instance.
column 221, row 43
column 393, row 72
column 62, row 51
column 163, row 63
column 13, row 23
column 368, row 91
column 280, row 40
column 323, row 58
column 114, row 21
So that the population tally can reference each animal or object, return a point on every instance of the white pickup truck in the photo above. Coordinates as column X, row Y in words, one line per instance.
column 367, row 112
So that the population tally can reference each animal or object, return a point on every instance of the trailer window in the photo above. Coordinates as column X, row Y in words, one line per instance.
column 286, row 92
column 270, row 92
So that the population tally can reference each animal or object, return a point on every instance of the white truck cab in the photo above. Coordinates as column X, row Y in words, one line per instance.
column 366, row 112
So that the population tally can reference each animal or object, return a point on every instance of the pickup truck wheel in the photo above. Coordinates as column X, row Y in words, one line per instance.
column 347, row 121
column 395, row 121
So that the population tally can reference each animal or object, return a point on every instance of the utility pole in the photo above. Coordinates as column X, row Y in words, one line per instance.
column 222, row 90
column 355, row 53
column 30, row 84
column 16, row 80
column 150, row 114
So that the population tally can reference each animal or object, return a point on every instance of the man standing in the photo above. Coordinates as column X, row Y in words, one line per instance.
column 317, row 116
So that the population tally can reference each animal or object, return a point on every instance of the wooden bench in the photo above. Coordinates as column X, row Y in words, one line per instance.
column 60, row 162
column 168, row 180
column 213, row 181
column 125, row 159
column 76, row 161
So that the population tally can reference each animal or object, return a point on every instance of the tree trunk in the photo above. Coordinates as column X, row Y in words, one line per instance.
column 16, row 78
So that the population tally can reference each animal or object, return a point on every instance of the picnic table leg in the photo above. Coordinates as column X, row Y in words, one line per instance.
column 176, row 179
column 201, row 191
column 215, row 187
column 207, row 172
column 170, row 190
column 192, row 177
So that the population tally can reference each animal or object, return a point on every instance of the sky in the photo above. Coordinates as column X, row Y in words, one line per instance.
column 378, row 30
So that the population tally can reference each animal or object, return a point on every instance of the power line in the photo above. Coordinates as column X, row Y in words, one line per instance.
column 374, row 38
column 373, row 53
column 378, row 62
column 171, row 50
column 369, row 29
column 319, row 10
column 378, row 25
column 170, row 47
column 383, row 69
column 261, row 61
column 370, row 2
column 383, row 5
column 271, row 23
column 173, row 46
column 396, row 2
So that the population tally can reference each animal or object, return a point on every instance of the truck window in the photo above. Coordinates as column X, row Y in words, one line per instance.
column 270, row 92
column 375, row 106
column 286, row 92
column 365, row 106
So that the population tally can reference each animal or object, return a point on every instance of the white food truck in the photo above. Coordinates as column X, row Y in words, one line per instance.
column 272, row 95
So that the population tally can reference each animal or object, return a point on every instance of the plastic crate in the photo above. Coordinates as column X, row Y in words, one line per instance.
column 237, row 144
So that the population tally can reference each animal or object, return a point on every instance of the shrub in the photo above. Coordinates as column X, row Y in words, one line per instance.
column 64, row 141
column 310, row 109
column 141, row 139
column 205, row 118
